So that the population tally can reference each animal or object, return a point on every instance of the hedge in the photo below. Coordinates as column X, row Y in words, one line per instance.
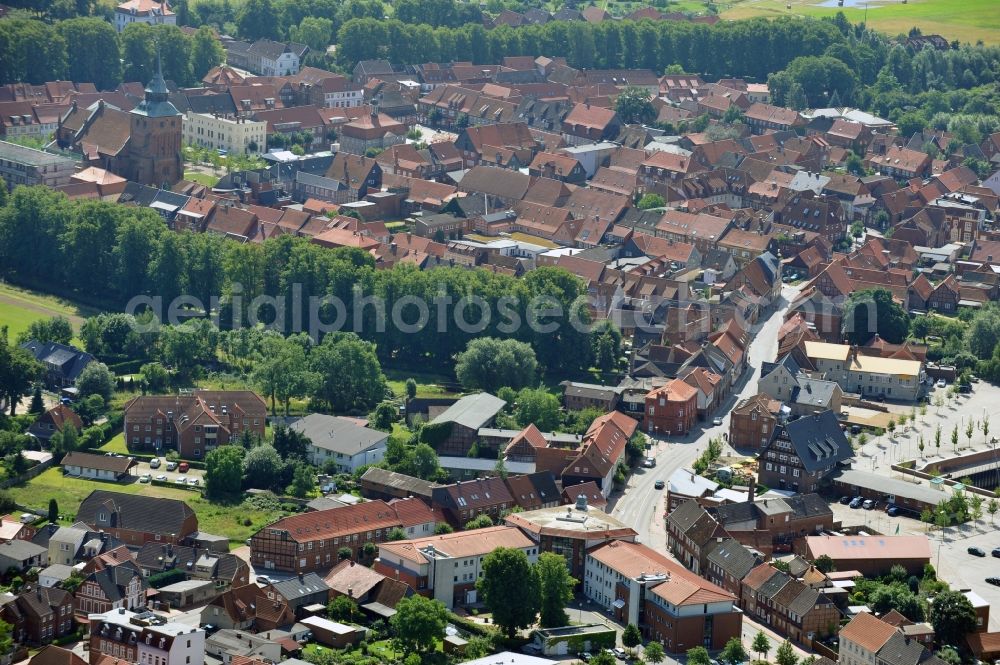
column 166, row 578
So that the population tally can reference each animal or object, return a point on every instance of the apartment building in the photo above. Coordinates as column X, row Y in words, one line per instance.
column 20, row 165
column 144, row 638
column 235, row 135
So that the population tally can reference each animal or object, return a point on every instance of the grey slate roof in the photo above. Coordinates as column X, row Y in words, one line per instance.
column 733, row 558
column 414, row 486
column 20, row 550
column 295, row 587
column 135, row 511
column 69, row 360
column 472, row 411
column 813, row 392
column 818, row 440
column 340, row 435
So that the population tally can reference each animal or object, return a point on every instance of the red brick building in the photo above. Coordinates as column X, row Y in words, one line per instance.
column 752, row 422
column 672, row 409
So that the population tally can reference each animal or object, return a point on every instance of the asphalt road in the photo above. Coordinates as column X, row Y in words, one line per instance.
column 641, row 505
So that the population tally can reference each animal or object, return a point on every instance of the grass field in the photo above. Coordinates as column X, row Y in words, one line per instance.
column 201, row 178
column 965, row 20
column 224, row 520
column 20, row 307
column 428, row 384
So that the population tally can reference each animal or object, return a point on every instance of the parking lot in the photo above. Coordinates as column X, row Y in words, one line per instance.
column 965, row 571
column 174, row 476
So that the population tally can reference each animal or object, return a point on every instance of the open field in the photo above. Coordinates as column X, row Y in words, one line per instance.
column 428, row 384
column 225, row 520
column 20, row 307
column 201, row 178
column 966, row 21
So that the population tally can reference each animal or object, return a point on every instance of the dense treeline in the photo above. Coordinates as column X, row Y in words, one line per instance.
column 113, row 253
column 88, row 49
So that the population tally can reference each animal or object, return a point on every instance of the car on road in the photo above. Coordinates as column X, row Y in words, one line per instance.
column 995, row 581
column 845, row 500
column 869, row 504
column 619, row 653
column 659, row 484
column 648, row 463
column 996, row 552
column 976, row 551
column 181, row 480
column 856, row 502
column 145, row 478
column 171, row 466
column 183, row 467
column 716, row 421
column 154, row 463
column 162, row 478
column 941, row 383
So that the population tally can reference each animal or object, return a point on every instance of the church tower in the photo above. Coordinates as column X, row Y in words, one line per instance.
column 154, row 147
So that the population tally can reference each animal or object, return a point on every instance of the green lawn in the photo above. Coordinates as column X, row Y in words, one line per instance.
column 965, row 20
column 201, row 178
column 19, row 308
column 428, row 384
column 116, row 445
column 225, row 520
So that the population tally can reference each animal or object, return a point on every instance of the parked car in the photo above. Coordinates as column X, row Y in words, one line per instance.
column 856, row 502
column 162, row 478
column 893, row 511
column 171, row 466
column 264, row 579
column 869, row 504
column 716, row 421
column 154, row 463
column 194, row 481
column 145, row 478
column 996, row 552
column 619, row 653
column 976, row 551
column 964, row 388
column 845, row 500
column 855, row 429
column 941, row 383
column 649, row 463
column 181, row 480
column 183, row 467
column 995, row 581
column 658, row 485
column 585, row 656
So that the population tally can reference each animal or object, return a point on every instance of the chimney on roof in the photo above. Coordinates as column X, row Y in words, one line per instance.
column 752, row 488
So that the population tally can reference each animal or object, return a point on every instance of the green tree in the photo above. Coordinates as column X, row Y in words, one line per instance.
column 53, row 511
column 383, row 417
column 824, row 563
column 952, row 616
column 206, row 52
column 734, row 653
column 631, row 637
column 411, row 389
column 603, row 658
column 634, row 105
column 303, row 481
column 649, row 201
column 314, row 31
column 555, row 588
column 891, row 322
column 983, row 333
column 489, row 363
column 396, row 533
column 349, row 374
column 761, row 644
column 785, row 655
column 262, row 467
column 698, row 656
column 58, row 329
column 539, row 407
column 37, row 404
column 97, row 39
column 18, row 370
column 343, row 609
column 419, row 622
column 224, row 472
column 155, row 377
column 606, row 343
column 479, row 522
column 509, row 587
column 653, row 653
column 257, row 20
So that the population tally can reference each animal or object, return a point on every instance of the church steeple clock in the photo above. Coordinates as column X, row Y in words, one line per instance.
column 154, row 147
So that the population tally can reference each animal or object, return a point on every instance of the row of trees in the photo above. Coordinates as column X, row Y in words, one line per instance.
column 90, row 50
column 109, row 253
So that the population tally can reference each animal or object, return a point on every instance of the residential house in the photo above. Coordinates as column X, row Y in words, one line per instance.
column 803, row 453
column 63, row 364
column 901, row 163
column 22, row 555
column 313, row 541
column 534, row 490
column 377, row 483
column 788, row 606
column 38, row 615
column 144, row 638
column 871, row 556
column 669, row 604
column 110, row 589
column 772, row 525
column 753, row 421
column 600, row 452
column 684, row 484
column 98, row 467
column 462, row 501
column 340, row 441
column 691, row 530
column 193, row 424
column 135, row 519
column 150, row 12
column 728, row 564
column 20, row 165
column 270, row 58
column 587, row 123
column 293, row 595
column 463, row 420
column 762, row 117
column 672, row 408
column 54, row 420
column 374, row 592
column 376, row 131
column 577, row 396
column 223, row 569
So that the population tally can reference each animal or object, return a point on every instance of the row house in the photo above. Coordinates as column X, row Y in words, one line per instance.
column 753, row 421
column 729, row 562
column 669, row 604
column 466, row 500
column 38, row 615
column 804, row 453
column 901, row 163
column 144, row 637
column 601, row 450
column 672, row 408
column 788, row 606
column 691, row 530
column 771, row 525
column 135, row 519
column 587, row 123
column 763, row 117
column 484, row 143
column 328, row 90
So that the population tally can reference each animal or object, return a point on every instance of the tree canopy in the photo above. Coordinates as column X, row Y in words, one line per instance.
column 891, row 321
column 418, row 622
column 510, row 590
